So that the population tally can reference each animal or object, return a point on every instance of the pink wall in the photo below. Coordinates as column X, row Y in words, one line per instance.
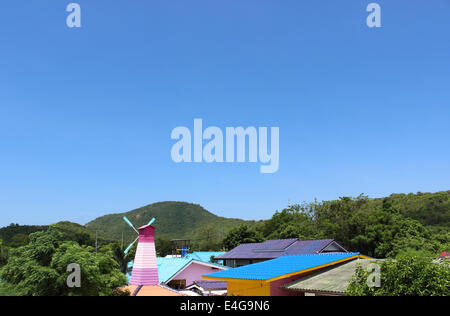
column 194, row 272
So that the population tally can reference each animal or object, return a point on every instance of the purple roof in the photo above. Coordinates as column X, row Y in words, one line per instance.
column 211, row 285
column 271, row 249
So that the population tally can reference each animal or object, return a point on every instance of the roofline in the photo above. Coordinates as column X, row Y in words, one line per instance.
column 358, row 256
column 313, row 291
column 333, row 241
column 212, row 265
column 283, row 250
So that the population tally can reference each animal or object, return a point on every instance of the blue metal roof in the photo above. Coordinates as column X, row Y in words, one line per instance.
column 280, row 266
column 205, row 256
column 168, row 267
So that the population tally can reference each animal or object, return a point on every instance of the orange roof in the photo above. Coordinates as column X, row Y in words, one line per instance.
column 152, row 290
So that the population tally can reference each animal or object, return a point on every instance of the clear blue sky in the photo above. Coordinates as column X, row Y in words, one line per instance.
column 86, row 114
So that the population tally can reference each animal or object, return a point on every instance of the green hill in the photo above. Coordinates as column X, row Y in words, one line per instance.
column 174, row 220
column 16, row 235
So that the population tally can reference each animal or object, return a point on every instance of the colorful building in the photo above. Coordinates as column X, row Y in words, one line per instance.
column 250, row 253
column 144, row 277
column 178, row 273
column 209, row 288
column 268, row 278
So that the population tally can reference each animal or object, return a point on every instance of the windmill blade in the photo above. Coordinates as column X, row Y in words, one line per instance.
column 152, row 221
column 129, row 224
column 130, row 246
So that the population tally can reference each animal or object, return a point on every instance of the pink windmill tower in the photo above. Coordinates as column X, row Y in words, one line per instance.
column 145, row 269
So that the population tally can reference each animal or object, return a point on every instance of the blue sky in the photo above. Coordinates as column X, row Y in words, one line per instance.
column 86, row 114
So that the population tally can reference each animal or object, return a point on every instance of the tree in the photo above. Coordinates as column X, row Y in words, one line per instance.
column 163, row 247
column 239, row 235
column 120, row 256
column 207, row 238
column 4, row 253
column 40, row 268
column 19, row 240
column 406, row 276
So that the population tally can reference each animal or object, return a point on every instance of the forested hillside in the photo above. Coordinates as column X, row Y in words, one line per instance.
column 384, row 227
column 174, row 220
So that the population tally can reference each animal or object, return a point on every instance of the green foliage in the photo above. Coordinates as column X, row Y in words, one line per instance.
column 15, row 235
column 406, row 276
column 375, row 227
column 163, row 247
column 240, row 235
column 207, row 238
column 40, row 268
column 118, row 254
column 175, row 220
column 4, row 254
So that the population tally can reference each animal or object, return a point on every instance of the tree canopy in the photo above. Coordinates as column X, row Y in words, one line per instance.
column 405, row 276
column 40, row 268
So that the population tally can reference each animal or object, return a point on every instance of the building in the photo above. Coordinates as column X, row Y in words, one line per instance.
column 208, row 288
column 144, row 277
column 268, row 278
column 250, row 253
column 332, row 281
column 178, row 273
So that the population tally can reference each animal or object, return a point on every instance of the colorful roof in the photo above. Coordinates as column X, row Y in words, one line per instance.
column 205, row 256
column 331, row 280
column 209, row 285
column 283, row 266
column 152, row 290
column 271, row 249
column 169, row 267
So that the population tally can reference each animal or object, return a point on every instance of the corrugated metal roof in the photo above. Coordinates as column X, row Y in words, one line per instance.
column 210, row 285
column 331, row 280
column 168, row 267
column 281, row 266
column 275, row 248
column 152, row 290
column 275, row 245
column 205, row 256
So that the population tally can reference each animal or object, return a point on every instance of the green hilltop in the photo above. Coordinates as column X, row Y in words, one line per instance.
column 175, row 220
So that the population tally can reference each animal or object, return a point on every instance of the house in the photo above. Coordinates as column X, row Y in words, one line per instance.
column 208, row 288
column 332, row 281
column 245, row 254
column 177, row 273
column 268, row 278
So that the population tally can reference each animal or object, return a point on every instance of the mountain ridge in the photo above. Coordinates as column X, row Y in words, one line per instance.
column 174, row 219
